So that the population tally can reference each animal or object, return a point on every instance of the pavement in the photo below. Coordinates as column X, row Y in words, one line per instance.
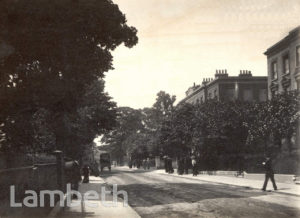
column 285, row 188
column 98, row 207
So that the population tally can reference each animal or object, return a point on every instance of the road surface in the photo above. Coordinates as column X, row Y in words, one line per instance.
column 161, row 195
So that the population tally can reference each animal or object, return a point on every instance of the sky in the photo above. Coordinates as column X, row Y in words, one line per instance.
column 184, row 41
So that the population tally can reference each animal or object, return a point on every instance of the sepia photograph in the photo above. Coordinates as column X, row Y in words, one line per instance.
column 149, row 108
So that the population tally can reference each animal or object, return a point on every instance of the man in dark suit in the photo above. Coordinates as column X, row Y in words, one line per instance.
column 269, row 173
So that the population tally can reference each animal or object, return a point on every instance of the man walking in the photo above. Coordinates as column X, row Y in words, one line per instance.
column 269, row 174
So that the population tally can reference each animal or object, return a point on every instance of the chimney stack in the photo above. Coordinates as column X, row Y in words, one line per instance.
column 245, row 73
column 221, row 74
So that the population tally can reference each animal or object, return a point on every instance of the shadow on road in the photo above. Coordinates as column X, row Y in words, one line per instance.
column 105, row 174
column 169, row 193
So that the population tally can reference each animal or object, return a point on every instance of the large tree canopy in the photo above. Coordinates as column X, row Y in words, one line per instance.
column 137, row 133
column 65, row 44
column 57, row 49
column 123, row 138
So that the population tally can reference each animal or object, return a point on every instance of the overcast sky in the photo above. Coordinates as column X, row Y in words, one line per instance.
column 184, row 41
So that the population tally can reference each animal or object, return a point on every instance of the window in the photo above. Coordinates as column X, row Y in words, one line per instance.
column 298, row 56
column 297, row 84
column 215, row 93
column 230, row 94
column 247, row 95
column 274, row 72
column 286, row 64
column 262, row 95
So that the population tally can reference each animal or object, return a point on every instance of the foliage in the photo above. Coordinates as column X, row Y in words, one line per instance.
column 177, row 133
column 58, row 51
column 219, row 133
column 122, row 139
column 277, row 118
column 137, row 131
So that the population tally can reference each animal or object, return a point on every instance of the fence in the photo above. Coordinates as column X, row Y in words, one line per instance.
column 44, row 176
column 21, row 178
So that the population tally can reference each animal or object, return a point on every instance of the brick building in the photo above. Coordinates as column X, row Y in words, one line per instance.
column 284, row 64
column 244, row 87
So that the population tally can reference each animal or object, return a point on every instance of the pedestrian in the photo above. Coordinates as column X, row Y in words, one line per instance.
column 269, row 173
column 130, row 164
column 170, row 167
column 144, row 164
column 75, row 177
column 186, row 165
column 138, row 163
column 194, row 166
column 180, row 166
column 86, row 174
column 148, row 163
column 166, row 164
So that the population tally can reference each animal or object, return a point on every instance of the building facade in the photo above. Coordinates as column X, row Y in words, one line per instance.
column 223, row 87
column 284, row 64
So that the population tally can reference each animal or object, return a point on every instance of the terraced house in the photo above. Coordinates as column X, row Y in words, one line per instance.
column 243, row 87
column 284, row 64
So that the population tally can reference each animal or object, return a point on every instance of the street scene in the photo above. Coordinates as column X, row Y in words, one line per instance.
column 149, row 108
column 160, row 195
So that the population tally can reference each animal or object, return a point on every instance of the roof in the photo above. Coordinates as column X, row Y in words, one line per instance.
column 283, row 42
column 225, row 79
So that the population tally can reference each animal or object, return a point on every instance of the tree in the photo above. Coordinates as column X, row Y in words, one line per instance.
column 137, row 132
column 213, row 131
column 58, row 49
column 224, row 132
column 164, row 105
column 95, row 115
column 123, row 138
column 277, row 118
column 159, row 114
column 177, row 132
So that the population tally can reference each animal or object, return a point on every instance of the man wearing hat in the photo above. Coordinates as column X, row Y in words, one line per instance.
column 269, row 173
